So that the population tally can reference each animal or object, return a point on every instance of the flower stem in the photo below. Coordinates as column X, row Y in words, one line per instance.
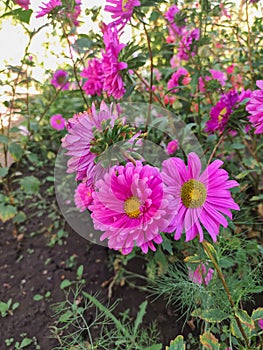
column 229, row 296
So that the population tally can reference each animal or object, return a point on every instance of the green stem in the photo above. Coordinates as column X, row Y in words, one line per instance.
column 229, row 296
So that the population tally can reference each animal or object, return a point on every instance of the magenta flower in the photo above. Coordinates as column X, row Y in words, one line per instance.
column 172, row 147
column 83, row 196
column 23, row 3
column 255, row 108
column 187, row 45
column 122, row 10
column 201, row 275
column 48, row 7
column 57, row 122
column 79, row 137
column 170, row 14
column 60, row 80
column 204, row 197
column 220, row 113
column 219, row 76
column 111, row 67
column 95, row 78
column 131, row 205
column 260, row 323
column 175, row 79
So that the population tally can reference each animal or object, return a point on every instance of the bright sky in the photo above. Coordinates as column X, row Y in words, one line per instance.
column 13, row 40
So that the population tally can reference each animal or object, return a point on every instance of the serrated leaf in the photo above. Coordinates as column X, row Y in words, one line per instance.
column 16, row 151
column 209, row 341
column 177, row 344
column 167, row 245
column 7, row 212
column 3, row 172
column 30, row 184
column 236, row 331
column 245, row 318
column 257, row 314
column 211, row 315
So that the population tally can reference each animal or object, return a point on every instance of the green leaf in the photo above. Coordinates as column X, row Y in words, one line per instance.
column 154, row 347
column 245, row 318
column 65, row 284
column 7, row 212
column 244, row 174
column 3, row 139
column 211, row 315
column 20, row 217
column 167, row 245
column 25, row 342
column 80, row 271
column 176, row 344
column 3, row 172
column 140, row 314
column 257, row 314
column 20, row 14
column 16, row 151
column 209, row 341
column 65, row 317
column 30, row 184
column 37, row 297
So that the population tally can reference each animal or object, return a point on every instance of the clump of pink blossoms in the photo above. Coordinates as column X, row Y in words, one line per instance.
column 95, row 77
column 132, row 206
column 111, row 66
column 177, row 79
column 254, row 107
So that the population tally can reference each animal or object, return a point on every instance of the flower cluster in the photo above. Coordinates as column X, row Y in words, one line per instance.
column 254, row 107
column 134, row 203
column 121, row 10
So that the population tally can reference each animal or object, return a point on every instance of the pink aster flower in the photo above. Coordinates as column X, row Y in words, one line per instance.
column 172, row 147
column 60, row 80
column 220, row 113
column 204, row 197
column 201, row 275
column 48, row 7
column 175, row 79
column 57, row 122
column 255, row 108
column 79, row 137
column 23, row 3
column 95, row 78
column 260, row 323
column 131, row 205
column 122, row 10
column 219, row 76
column 111, row 66
column 83, row 196
column 187, row 45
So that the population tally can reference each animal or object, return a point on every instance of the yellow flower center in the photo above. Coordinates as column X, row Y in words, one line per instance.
column 193, row 194
column 132, row 207
column 124, row 2
column 221, row 114
column 58, row 121
column 61, row 79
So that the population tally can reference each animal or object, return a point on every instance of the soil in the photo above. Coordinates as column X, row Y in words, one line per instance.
column 28, row 266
